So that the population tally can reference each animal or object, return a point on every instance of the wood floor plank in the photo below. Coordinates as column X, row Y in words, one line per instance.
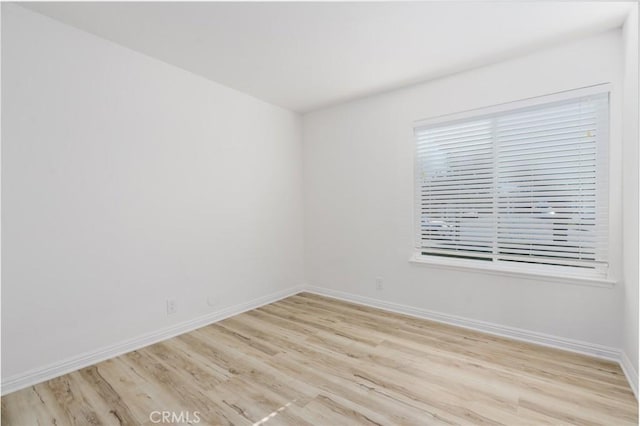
column 313, row 360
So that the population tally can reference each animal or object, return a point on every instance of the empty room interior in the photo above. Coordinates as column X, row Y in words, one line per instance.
column 320, row 213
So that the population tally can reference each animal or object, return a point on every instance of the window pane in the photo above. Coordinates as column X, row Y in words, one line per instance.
column 526, row 185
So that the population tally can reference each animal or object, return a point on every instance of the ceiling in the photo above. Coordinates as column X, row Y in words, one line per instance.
column 306, row 55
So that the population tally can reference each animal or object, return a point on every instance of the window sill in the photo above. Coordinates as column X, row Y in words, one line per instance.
column 479, row 266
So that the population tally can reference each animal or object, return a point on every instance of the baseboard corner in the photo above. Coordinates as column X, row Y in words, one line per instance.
column 630, row 372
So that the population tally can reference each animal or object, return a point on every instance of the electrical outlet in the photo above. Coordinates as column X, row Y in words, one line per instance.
column 379, row 285
column 171, row 306
column 212, row 301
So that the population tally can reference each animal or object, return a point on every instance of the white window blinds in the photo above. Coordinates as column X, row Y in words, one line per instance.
column 518, row 186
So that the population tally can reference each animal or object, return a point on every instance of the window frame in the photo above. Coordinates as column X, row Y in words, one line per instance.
column 528, row 271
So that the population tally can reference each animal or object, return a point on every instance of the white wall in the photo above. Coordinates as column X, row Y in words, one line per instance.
column 359, row 198
column 630, row 187
column 127, row 181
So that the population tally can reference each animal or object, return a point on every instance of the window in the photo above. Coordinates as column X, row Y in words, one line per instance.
column 517, row 186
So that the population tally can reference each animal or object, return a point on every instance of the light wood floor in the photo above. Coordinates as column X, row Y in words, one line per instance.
column 310, row 360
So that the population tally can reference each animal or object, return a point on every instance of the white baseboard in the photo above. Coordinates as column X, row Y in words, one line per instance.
column 51, row 371
column 86, row 359
column 630, row 372
column 599, row 351
column 586, row 348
